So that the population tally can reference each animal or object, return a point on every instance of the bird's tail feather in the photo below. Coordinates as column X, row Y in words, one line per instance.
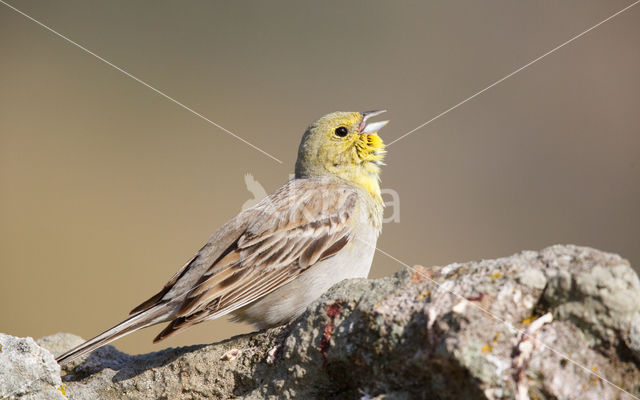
column 152, row 316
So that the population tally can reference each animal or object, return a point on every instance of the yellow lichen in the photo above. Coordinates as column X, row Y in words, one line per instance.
column 496, row 275
column 424, row 295
column 527, row 320
column 63, row 389
column 486, row 348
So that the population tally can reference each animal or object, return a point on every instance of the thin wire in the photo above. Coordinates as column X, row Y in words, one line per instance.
column 513, row 73
column 487, row 312
column 143, row 82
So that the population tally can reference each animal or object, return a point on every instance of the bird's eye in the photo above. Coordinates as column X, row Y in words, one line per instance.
column 341, row 131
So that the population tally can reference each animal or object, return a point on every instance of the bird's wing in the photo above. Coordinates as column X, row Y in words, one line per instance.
column 288, row 232
column 187, row 276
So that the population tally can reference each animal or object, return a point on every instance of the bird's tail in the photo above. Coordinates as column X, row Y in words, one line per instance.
column 152, row 316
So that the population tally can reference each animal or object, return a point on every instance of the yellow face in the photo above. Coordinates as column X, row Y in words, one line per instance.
column 345, row 145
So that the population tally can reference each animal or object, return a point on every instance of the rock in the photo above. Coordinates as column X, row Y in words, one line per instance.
column 59, row 343
column 533, row 278
column 27, row 371
column 562, row 323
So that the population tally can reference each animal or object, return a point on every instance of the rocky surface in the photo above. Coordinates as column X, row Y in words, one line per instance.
column 562, row 323
column 27, row 371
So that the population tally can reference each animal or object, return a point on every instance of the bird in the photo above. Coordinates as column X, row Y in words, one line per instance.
column 269, row 262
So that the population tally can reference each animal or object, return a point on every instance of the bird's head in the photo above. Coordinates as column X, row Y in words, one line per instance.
column 346, row 145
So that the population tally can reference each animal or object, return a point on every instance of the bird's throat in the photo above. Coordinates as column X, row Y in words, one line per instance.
column 369, row 180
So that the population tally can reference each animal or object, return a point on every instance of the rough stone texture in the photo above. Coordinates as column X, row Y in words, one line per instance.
column 541, row 325
column 27, row 371
column 59, row 343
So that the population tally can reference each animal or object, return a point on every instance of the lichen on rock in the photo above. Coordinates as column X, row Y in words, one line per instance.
column 552, row 324
column 28, row 371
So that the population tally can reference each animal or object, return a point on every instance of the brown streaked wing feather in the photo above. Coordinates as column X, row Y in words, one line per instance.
column 261, row 284
column 334, row 248
column 284, row 239
column 220, row 244
column 155, row 299
column 178, row 324
column 318, row 239
column 219, row 307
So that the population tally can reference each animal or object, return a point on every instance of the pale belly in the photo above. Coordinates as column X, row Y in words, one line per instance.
column 291, row 300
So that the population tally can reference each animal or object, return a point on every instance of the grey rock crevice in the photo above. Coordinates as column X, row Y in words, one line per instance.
column 476, row 330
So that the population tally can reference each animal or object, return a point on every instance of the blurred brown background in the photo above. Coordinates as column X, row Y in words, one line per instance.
column 107, row 188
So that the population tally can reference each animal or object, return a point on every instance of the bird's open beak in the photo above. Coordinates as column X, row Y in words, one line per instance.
column 372, row 127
